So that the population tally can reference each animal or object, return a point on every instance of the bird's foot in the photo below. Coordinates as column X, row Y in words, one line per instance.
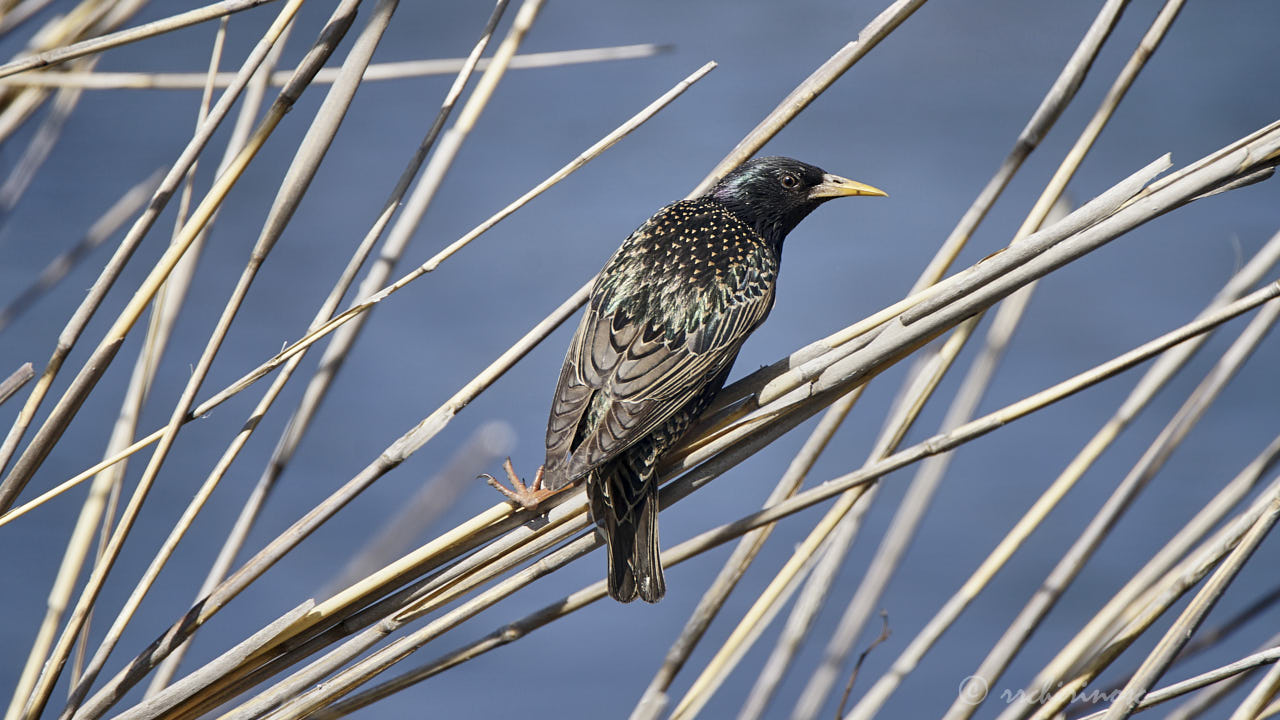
column 524, row 496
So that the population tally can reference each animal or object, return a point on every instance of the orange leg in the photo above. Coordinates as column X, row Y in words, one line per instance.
column 524, row 496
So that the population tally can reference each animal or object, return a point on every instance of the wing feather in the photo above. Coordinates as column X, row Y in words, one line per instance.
column 630, row 376
column 654, row 380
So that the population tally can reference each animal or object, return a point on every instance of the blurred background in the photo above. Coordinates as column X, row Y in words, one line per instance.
column 928, row 115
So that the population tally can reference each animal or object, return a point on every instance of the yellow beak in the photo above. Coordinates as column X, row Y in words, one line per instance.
column 833, row 186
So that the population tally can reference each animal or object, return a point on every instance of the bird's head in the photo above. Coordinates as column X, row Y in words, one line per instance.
column 773, row 194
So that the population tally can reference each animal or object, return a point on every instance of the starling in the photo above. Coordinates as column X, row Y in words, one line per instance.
column 664, row 323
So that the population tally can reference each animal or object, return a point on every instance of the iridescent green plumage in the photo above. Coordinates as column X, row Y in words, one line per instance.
column 664, row 324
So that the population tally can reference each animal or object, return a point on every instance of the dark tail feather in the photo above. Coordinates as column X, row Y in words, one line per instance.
column 622, row 581
column 630, row 529
column 646, row 561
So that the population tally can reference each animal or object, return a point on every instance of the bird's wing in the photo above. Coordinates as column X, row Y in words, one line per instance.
column 643, row 375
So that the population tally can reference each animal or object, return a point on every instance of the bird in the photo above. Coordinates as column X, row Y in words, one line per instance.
column 663, row 325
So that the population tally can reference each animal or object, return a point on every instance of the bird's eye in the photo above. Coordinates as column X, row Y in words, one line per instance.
column 789, row 181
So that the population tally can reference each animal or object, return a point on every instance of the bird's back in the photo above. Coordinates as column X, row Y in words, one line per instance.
column 687, row 267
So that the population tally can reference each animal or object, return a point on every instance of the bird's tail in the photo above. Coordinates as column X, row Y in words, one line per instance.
column 626, row 511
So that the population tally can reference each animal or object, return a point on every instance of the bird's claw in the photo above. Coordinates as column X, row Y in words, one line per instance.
column 528, row 497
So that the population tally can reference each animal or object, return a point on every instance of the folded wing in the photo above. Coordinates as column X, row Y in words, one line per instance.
column 629, row 375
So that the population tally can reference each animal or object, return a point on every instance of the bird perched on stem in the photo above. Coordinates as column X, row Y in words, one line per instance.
column 664, row 323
